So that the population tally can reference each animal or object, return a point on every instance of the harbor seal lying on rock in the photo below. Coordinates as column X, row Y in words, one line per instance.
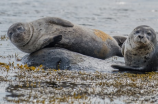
column 140, row 50
column 55, row 32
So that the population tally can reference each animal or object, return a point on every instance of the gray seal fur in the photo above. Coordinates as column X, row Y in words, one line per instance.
column 140, row 50
column 60, row 58
column 55, row 32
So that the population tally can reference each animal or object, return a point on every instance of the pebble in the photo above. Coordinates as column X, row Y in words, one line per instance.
column 147, row 98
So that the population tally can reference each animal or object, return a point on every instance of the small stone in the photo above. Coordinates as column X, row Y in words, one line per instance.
column 34, row 101
column 134, row 99
column 153, row 100
column 128, row 101
column 146, row 98
column 153, row 97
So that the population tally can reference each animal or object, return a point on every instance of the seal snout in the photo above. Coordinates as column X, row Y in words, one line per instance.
column 141, row 39
column 15, row 33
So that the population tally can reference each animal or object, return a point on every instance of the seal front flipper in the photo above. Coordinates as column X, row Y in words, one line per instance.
column 50, row 42
column 128, row 68
column 59, row 21
column 120, row 40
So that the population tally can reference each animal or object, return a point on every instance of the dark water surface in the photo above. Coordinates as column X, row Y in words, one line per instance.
column 115, row 17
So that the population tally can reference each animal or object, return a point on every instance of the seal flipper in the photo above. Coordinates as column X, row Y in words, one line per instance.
column 128, row 68
column 50, row 42
column 120, row 40
column 59, row 21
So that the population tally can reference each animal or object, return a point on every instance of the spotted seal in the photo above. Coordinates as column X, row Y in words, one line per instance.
column 61, row 58
column 55, row 32
column 140, row 50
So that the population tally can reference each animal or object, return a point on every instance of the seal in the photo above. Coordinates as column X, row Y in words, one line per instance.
column 61, row 58
column 120, row 40
column 55, row 32
column 140, row 50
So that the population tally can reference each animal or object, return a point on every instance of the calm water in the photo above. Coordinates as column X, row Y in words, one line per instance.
column 116, row 17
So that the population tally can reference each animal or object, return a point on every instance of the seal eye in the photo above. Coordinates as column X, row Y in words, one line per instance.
column 20, row 28
column 10, row 33
column 148, row 33
column 137, row 32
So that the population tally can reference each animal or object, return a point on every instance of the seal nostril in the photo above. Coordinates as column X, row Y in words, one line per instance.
column 141, row 36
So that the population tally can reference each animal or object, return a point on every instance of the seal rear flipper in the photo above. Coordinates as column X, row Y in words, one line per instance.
column 50, row 42
column 59, row 21
column 128, row 68
column 120, row 40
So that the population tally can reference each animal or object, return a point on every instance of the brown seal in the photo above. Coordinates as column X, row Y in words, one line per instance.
column 55, row 32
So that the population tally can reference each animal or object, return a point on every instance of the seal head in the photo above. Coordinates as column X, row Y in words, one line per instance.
column 19, row 34
column 140, row 50
column 142, row 36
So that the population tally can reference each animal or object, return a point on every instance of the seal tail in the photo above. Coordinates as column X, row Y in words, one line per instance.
column 120, row 40
column 128, row 68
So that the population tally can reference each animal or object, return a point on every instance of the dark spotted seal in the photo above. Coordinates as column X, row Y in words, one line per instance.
column 140, row 50
column 61, row 58
column 56, row 32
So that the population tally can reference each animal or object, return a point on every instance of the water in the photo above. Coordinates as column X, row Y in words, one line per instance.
column 115, row 17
